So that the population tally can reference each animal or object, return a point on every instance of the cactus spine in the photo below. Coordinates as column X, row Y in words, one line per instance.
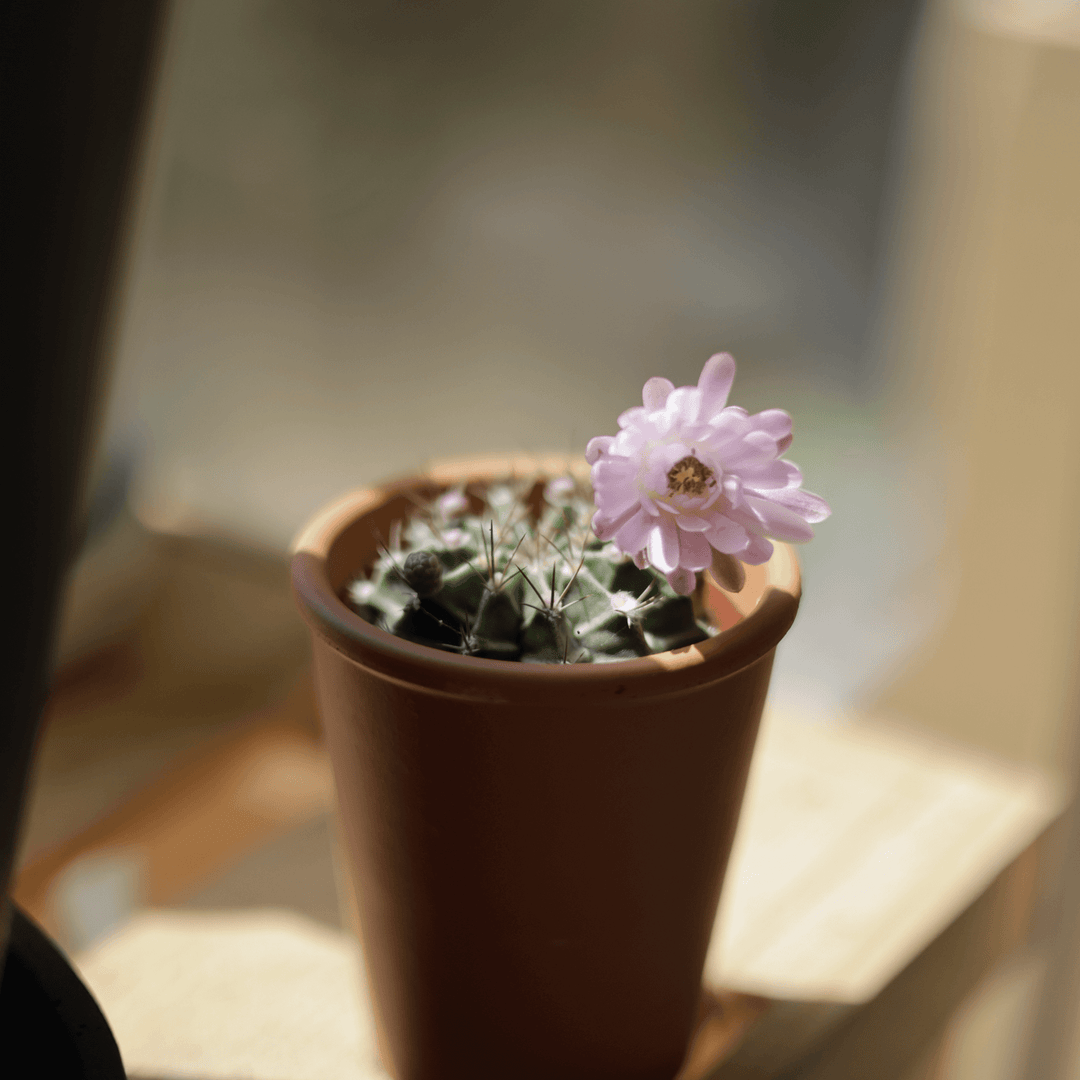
column 516, row 574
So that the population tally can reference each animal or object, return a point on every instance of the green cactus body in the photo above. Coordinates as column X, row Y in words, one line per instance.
column 506, row 583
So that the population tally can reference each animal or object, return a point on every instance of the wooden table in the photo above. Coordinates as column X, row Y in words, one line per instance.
column 877, row 878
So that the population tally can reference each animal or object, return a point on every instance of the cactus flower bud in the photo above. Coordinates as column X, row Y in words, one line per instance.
column 423, row 573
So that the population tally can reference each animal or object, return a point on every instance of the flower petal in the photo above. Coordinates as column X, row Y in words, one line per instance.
column 715, row 383
column 611, row 469
column 601, row 444
column 810, row 507
column 733, row 490
column 634, row 535
column 682, row 581
column 641, row 559
column 614, row 494
column 630, row 417
column 779, row 522
column 605, row 525
column 616, row 502
column 756, row 447
column 774, row 422
column 772, row 475
column 729, row 426
column 693, row 523
column 728, row 536
column 682, row 407
column 758, row 551
column 655, row 392
column 694, row 551
column 664, row 544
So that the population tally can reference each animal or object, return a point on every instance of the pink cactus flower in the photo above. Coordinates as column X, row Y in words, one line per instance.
column 690, row 483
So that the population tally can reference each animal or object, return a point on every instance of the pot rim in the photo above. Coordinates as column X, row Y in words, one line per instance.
column 768, row 604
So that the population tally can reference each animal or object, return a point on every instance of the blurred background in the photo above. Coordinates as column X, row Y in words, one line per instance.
column 384, row 232
column 372, row 234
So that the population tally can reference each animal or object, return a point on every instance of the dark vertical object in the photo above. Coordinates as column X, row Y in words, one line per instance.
column 47, row 1016
column 74, row 80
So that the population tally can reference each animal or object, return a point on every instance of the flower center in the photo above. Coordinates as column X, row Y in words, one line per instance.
column 688, row 476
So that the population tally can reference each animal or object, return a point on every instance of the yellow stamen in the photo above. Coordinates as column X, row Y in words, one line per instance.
column 688, row 476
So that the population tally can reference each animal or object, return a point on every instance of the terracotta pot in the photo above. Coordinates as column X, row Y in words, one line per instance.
column 537, row 850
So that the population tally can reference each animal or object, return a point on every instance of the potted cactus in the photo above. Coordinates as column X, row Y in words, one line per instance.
column 541, row 692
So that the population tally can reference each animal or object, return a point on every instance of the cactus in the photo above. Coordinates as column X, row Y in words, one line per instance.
column 516, row 574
